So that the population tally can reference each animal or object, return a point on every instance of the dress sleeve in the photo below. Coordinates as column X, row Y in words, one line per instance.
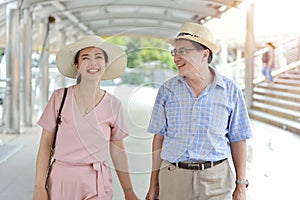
column 119, row 129
column 48, row 118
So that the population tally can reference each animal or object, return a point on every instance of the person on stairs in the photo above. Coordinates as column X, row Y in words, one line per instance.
column 268, row 59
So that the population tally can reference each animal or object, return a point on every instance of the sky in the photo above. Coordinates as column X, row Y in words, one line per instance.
column 271, row 18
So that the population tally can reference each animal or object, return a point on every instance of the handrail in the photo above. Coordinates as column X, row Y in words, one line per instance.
column 287, row 57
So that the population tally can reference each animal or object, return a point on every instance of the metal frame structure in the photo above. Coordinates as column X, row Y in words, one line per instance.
column 157, row 18
column 44, row 26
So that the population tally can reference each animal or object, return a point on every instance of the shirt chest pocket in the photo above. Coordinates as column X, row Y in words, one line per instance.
column 173, row 117
column 219, row 118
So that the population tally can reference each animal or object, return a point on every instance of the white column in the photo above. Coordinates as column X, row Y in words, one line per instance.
column 26, row 69
column 249, row 56
column 12, row 95
column 43, row 63
column 60, row 43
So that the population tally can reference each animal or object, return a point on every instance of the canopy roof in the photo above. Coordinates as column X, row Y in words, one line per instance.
column 156, row 18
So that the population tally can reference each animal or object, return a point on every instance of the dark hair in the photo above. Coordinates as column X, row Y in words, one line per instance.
column 200, row 47
column 271, row 44
column 78, row 52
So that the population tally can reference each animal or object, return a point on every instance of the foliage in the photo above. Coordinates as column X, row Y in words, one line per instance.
column 144, row 51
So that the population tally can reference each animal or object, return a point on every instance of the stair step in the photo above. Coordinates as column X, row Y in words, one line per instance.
column 277, row 111
column 277, row 102
column 276, row 121
column 283, row 81
column 277, row 94
column 294, row 71
column 289, row 76
column 279, row 87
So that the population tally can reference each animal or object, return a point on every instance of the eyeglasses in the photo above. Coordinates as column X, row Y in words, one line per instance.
column 180, row 52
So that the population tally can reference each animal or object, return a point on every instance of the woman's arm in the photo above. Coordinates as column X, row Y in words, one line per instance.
column 119, row 158
column 42, row 163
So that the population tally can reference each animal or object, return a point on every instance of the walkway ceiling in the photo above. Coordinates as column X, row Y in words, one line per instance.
column 156, row 18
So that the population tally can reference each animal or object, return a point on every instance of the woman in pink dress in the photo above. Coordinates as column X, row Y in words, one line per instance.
column 92, row 124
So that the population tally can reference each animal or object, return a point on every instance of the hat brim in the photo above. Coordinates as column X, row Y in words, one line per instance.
column 117, row 59
column 214, row 48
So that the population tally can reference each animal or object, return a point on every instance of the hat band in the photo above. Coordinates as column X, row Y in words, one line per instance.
column 189, row 34
column 197, row 36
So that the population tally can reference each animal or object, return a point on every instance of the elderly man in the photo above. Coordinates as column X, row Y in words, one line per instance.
column 199, row 120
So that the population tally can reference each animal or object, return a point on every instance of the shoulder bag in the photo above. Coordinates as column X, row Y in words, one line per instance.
column 58, row 122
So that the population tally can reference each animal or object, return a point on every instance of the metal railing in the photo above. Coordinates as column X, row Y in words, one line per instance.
column 286, row 57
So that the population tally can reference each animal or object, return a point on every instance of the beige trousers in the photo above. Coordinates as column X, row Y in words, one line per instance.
column 215, row 183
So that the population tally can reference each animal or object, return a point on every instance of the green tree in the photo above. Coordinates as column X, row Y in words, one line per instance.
column 144, row 50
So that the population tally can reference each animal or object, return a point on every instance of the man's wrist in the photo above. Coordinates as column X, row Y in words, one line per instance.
column 242, row 182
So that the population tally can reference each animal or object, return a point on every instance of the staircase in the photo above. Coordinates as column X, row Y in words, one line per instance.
column 278, row 103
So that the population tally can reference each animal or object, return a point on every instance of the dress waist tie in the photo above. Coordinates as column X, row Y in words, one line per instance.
column 103, row 174
column 102, row 178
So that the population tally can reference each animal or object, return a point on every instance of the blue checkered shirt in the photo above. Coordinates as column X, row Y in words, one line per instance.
column 199, row 128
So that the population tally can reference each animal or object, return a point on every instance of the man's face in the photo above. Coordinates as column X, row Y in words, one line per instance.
column 187, row 58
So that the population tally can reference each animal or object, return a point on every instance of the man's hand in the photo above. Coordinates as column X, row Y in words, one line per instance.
column 153, row 193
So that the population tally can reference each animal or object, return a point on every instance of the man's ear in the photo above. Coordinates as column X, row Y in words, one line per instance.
column 206, row 53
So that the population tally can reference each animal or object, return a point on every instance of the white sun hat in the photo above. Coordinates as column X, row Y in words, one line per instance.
column 117, row 58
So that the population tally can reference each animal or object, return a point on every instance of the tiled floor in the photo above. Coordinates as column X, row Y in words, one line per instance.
column 273, row 165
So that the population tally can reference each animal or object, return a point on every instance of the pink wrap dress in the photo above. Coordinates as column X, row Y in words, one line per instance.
column 81, row 170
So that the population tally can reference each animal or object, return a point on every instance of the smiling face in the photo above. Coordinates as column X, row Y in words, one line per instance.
column 90, row 62
column 188, row 59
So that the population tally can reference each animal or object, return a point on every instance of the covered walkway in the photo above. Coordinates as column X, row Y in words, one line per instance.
column 272, row 164
column 42, row 27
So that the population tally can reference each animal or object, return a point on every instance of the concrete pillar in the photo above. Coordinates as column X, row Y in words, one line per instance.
column 298, row 49
column 11, row 102
column 26, row 68
column 43, row 63
column 60, row 43
column 249, row 56
column 223, row 54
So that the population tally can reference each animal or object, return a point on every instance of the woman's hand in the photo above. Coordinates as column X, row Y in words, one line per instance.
column 40, row 193
column 130, row 195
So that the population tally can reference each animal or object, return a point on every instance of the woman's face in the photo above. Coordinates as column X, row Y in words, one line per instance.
column 91, row 63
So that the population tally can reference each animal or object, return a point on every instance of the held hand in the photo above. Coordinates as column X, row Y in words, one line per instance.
column 152, row 193
column 130, row 196
column 40, row 193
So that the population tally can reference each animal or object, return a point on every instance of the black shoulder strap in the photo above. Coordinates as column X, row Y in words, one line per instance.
column 58, row 119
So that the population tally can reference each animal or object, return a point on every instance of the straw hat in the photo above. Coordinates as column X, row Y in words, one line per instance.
column 197, row 33
column 117, row 59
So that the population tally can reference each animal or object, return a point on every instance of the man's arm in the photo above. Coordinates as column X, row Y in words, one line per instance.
column 239, row 157
column 156, row 162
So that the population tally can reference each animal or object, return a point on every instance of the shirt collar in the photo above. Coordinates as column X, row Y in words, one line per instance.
column 217, row 78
